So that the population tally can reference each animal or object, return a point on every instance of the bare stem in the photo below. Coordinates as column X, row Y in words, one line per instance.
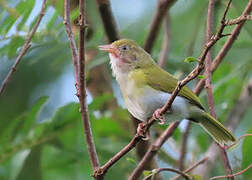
column 191, row 168
column 79, row 68
column 238, row 20
column 26, row 46
column 166, row 43
column 108, row 20
column 183, row 147
column 162, row 7
column 232, row 175
column 156, row 171
column 152, row 151
column 82, row 88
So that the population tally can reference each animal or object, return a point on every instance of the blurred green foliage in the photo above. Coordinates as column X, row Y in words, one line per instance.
column 41, row 133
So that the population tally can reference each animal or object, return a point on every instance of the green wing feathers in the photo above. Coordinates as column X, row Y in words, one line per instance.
column 161, row 80
column 215, row 129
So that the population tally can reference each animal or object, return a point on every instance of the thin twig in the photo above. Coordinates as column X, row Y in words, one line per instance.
column 152, row 151
column 26, row 46
column 79, row 68
column 166, row 43
column 191, row 168
column 82, row 88
column 73, row 46
column 208, row 84
column 226, row 47
column 108, row 20
column 238, row 20
column 156, row 171
column 238, row 140
column 232, row 175
column 183, row 147
column 162, row 7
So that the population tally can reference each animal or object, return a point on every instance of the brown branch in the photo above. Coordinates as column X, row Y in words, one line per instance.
column 108, row 20
column 191, row 168
column 238, row 20
column 236, row 142
column 73, row 46
column 166, row 43
column 162, row 7
column 183, row 147
column 82, row 88
column 26, row 46
column 79, row 69
column 142, row 147
column 102, row 170
column 185, row 137
column 226, row 47
column 152, row 151
column 208, row 84
column 232, row 175
column 235, row 116
column 156, row 171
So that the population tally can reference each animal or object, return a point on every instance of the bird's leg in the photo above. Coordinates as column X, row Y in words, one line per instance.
column 157, row 115
column 141, row 131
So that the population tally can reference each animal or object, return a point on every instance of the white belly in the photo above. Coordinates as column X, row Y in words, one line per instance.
column 143, row 105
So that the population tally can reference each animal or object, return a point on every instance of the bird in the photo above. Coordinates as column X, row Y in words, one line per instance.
column 146, row 87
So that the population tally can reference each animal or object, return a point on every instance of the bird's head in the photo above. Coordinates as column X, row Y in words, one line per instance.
column 126, row 55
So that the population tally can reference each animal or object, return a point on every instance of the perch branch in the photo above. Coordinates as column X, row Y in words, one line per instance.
column 26, row 46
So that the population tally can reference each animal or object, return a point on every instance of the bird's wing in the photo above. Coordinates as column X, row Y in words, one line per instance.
column 158, row 79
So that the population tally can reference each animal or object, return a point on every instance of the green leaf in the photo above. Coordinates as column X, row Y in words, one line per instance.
column 30, row 119
column 201, row 76
column 99, row 101
column 190, row 60
column 196, row 177
column 16, row 42
column 246, row 155
column 27, row 11
column 131, row 160
column 65, row 114
column 147, row 173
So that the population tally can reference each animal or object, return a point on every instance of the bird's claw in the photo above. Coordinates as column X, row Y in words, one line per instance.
column 142, row 133
column 157, row 115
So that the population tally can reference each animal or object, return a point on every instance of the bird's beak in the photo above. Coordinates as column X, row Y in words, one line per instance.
column 108, row 48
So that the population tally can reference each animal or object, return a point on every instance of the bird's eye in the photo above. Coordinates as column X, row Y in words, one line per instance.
column 125, row 48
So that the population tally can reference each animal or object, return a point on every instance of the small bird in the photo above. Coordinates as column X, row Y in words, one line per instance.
column 146, row 88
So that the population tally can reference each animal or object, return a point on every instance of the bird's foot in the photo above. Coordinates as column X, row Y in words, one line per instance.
column 157, row 115
column 141, row 131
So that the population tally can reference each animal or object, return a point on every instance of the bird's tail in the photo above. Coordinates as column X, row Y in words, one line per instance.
column 215, row 129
